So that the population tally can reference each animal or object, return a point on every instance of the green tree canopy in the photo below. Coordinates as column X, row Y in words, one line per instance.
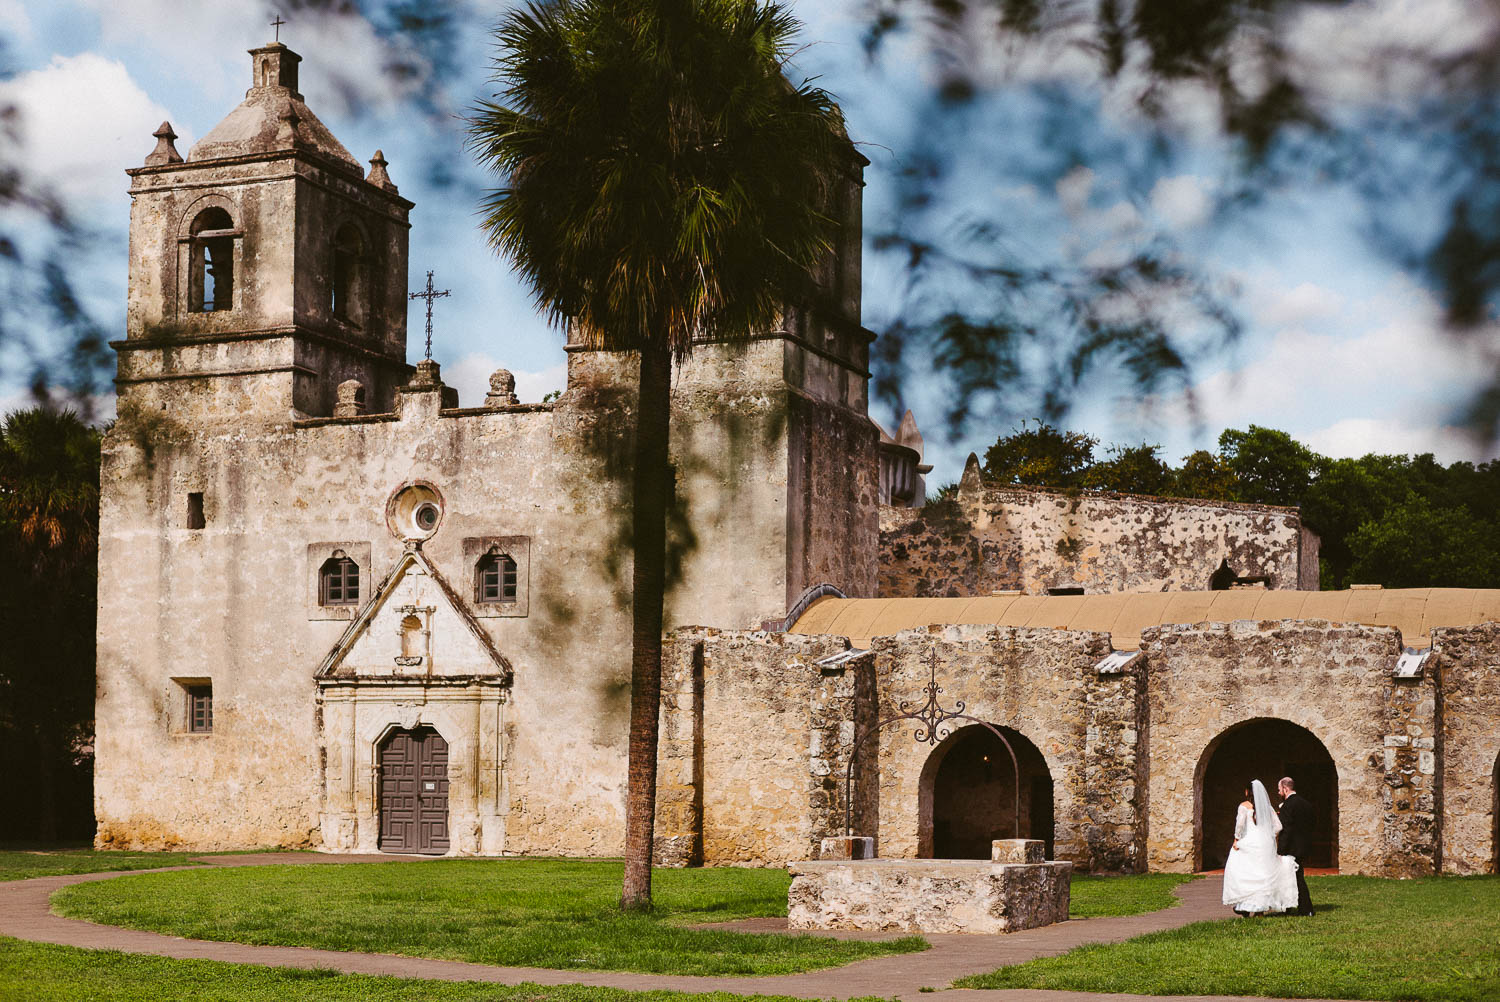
column 1417, row 544
column 1041, row 456
column 1269, row 466
column 49, row 524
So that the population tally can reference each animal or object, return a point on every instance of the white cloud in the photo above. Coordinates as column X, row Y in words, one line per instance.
column 1383, row 377
column 1182, row 201
column 1356, row 437
column 1297, row 306
column 344, row 60
column 471, row 376
column 82, row 118
column 1074, row 189
column 1356, row 52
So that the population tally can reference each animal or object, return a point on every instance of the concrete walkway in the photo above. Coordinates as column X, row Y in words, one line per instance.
column 25, row 914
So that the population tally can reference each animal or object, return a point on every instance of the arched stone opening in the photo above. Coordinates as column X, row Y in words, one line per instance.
column 1266, row 749
column 967, row 794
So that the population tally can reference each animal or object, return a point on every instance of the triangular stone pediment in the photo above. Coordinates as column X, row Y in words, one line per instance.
column 414, row 626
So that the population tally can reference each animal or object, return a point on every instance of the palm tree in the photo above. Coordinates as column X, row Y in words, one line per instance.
column 661, row 181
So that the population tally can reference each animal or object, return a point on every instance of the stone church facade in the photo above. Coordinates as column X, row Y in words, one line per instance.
column 339, row 610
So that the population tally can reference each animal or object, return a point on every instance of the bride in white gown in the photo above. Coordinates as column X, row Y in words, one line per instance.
column 1256, row 879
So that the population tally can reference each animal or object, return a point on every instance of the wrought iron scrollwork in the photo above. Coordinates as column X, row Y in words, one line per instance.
column 931, row 719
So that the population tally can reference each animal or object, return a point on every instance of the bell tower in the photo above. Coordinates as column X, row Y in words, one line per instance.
column 266, row 268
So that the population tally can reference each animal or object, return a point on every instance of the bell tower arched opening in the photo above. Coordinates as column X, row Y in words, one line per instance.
column 1266, row 749
column 968, row 794
column 211, row 282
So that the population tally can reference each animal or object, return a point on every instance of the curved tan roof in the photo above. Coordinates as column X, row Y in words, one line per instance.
column 1413, row 611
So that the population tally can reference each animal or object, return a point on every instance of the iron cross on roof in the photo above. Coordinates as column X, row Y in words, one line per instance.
column 277, row 25
column 429, row 294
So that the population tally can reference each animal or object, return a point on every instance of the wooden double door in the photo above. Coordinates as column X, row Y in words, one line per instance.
column 414, row 792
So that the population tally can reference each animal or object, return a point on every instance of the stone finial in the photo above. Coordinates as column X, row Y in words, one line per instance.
column 165, row 152
column 427, row 377
column 502, row 389
column 286, row 130
column 908, row 435
column 971, row 482
column 351, row 402
column 378, row 176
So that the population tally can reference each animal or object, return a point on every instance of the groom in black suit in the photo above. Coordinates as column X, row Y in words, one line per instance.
column 1295, row 840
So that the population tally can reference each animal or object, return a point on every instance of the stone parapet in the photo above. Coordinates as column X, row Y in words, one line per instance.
column 927, row 895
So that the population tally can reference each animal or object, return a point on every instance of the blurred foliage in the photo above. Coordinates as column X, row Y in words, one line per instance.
column 47, row 339
column 1394, row 118
column 49, row 522
column 1399, row 521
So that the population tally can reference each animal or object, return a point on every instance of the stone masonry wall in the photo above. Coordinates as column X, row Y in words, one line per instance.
column 1469, row 746
column 998, row 538
column 1335, row 681
column 776, row 731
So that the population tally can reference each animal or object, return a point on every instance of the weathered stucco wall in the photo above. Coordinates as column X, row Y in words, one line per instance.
column 226, row 602
column 998, row 538
column 1333, row 680
column 1468, row 748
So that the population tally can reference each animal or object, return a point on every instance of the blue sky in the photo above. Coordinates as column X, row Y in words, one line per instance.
column 1341, row 348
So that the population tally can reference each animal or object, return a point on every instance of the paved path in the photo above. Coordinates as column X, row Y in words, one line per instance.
column 25, row 914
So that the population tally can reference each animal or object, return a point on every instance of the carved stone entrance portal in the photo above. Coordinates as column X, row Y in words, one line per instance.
column 414, row 792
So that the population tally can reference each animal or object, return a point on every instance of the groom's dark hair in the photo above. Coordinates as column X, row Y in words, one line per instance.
column 1286, row 781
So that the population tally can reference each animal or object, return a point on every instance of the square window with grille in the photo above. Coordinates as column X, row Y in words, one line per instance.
column 338, row 581
column 495, row 578
column 200, row 708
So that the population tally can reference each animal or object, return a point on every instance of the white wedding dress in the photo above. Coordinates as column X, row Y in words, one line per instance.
column 1256, row 879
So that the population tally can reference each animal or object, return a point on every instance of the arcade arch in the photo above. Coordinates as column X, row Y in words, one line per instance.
column 1265, row 748
column 967, row 794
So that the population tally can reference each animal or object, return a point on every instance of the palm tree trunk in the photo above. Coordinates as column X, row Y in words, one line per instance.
column 649, row 521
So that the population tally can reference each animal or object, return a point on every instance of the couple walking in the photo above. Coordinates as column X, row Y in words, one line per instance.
column 1256, row 878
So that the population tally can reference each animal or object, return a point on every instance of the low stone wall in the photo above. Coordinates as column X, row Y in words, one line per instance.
column 927, row 895
column 757, row 734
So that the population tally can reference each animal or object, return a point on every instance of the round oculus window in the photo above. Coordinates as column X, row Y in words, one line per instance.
column 415, row 511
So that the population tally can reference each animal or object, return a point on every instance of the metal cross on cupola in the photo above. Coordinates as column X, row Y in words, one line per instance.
column 277, row 25
column 429, row 294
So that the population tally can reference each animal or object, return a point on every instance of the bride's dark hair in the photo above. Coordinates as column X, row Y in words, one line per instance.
column 1249, row 799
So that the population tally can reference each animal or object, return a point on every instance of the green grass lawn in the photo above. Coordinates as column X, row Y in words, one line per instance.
column 21, row 864
column 34, row 972
column 532, row 913
column 1433, row 940
column 17, row 865
column 1097, row 897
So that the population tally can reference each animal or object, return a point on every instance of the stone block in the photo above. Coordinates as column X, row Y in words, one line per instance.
column 847, row 847
column 1017, row 850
